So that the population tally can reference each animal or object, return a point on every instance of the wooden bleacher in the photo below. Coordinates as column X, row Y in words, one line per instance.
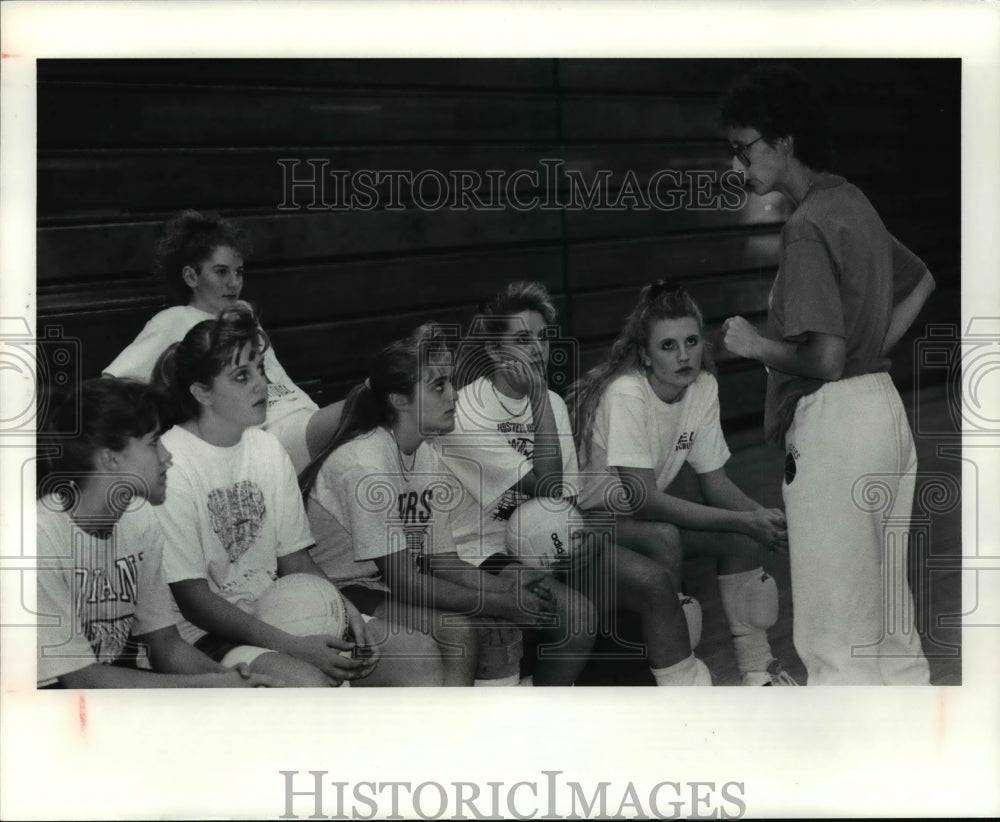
column 122, row 144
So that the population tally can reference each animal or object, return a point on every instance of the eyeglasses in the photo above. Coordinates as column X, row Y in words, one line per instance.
column 740, row 150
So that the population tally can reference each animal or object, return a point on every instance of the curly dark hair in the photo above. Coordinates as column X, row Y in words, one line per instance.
column 189, row 238
column 778, row 101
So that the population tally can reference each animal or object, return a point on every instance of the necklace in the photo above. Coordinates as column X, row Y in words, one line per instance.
column 503, row 405
column 406, row 472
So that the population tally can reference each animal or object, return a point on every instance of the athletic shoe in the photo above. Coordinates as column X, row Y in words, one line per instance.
column 774, row 675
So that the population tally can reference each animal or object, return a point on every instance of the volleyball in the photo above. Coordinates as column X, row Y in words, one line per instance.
column 303, row 605
column 546, row 533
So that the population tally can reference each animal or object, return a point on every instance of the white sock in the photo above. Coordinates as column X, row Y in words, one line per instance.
column 753, row 650
column 690, row 671
column 503, row 682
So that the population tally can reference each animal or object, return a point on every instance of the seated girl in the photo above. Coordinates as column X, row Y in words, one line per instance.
column 648, row 408
column 102, row 599
column 234, row 522
column 200, row 258
column 379, row 502
column 512, row 442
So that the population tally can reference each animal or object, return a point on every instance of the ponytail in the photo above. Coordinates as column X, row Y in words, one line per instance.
column 202, row 355
column 362, row 413
column 179, row 405
column 393, row 370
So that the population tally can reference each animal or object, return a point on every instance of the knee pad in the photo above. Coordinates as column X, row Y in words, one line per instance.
column 750, row 601
column 692, row 613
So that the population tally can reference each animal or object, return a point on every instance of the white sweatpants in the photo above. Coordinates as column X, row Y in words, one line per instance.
column 850, row 472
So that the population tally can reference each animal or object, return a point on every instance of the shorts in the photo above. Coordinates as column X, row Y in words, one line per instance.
column 365, row 599
column 215, row 647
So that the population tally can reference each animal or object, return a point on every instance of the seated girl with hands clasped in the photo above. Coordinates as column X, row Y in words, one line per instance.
column 643, row 412
column 102, row 599
column 234, row 524
column 379, row 502
column 513, row 452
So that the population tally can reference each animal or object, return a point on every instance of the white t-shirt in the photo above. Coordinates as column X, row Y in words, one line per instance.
column 136, row 362
column 633, row 428
column 229, row 514
column 93, row 592
column 490, row 451
column 365, row 505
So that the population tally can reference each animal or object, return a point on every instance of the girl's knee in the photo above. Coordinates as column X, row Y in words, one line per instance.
column 424, row 670
column 459, row 639
column 457, row 630
column 577, row 614
column 668, row 540
column 294, row 673
column 664, row 547
column 409, row 659
column 662, row 582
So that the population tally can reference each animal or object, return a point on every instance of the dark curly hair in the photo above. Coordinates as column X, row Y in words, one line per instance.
column 189, row 238
column 778, row 101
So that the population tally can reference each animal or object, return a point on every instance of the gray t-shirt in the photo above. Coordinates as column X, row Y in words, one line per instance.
column 840, row 272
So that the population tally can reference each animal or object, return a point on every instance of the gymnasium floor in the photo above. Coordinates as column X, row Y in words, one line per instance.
column 757, row 469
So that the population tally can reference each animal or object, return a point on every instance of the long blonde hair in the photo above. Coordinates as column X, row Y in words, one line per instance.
column 661, row 300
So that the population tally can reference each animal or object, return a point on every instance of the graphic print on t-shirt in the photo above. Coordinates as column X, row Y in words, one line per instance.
column 685, row 441
column 236, row 515
column 524, row 445
column 508, row 503
column 414, row 511
column 98, row 592
column 276, row 392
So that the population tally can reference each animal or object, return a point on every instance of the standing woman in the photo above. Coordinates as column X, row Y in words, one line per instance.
column 513, row 442
column 643, row 412
column 200, row 259
column 234, row 522
column 845, row 293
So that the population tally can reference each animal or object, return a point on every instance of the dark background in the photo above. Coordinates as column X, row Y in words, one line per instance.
column 124, row 143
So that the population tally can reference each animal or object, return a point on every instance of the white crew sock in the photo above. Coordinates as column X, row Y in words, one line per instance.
column 690, row 671
column 753, row 650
